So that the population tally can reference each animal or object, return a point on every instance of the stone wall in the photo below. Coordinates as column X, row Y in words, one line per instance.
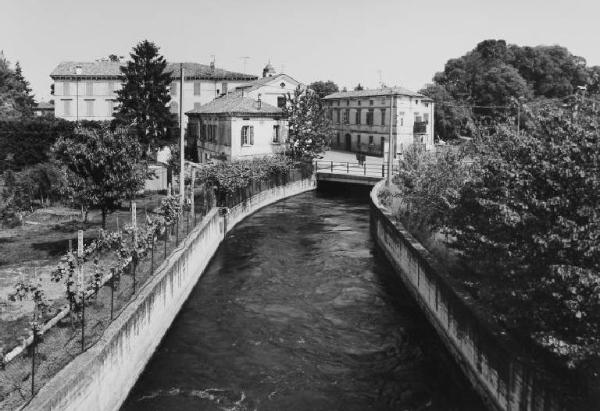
column 498, row 368
column 100, row 378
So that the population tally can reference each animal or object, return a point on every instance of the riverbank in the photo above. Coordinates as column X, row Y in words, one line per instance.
column 497, row 368
column 101, row 377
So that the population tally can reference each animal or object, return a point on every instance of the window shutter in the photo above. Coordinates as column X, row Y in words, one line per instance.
column 251, row 135
column 242, row 136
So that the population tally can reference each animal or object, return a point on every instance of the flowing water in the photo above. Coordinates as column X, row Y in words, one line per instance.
column 299, row 311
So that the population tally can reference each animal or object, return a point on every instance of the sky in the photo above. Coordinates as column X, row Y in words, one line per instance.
column 401, row 42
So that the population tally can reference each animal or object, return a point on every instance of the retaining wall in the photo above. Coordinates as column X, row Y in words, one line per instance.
column 494, row 364
column 100, row 378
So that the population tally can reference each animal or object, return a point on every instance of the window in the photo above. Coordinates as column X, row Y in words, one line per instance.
column 247, row 135
column 383, row 116
column 281, row 101
column 370, row 117
column 426, row 104
column 426, row 118
column 358, row 113
column 347, row 102
column 346, row 116
column 359, row 102
column 173, row 89
column 197, row 86
column 416, row 101
column 66, row 88
column 358, row 141
column 338, row 139
column 89, row 107
column 110, row 87
column 174, row 107
column 224, row 87
column 370, row 102
column 337, row 116
column 370, row 139
column 276, row 134
column 418, row 118
column 89, row 88
column 401, row 118
column 67, row 106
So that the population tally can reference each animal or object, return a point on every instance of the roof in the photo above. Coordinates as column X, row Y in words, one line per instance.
column 236, row 104
column 43, row 105
column 256, row 84
column 374, row 93
column 112, row 69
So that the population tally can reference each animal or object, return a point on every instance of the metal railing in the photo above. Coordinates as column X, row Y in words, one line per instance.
column 364, row 169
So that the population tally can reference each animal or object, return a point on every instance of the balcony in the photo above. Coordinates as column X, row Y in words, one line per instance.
column 420, row 127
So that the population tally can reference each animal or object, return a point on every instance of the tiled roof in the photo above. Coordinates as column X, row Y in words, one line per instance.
column 113, row 69
column 256, row 84
column 375, row 93
column 44, row 105
column 235, row 104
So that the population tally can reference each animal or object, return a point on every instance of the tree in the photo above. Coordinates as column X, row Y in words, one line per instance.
column 103, row 168
column 323, row 88
column 528, row 219
column 309, row 129
column 15, row 98
column 144, row 97
column 358, row 87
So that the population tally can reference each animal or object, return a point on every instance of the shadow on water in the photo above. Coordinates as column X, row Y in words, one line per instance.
column 299, row 311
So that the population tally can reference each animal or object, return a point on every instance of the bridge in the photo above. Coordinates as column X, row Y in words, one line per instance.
column 367, row 174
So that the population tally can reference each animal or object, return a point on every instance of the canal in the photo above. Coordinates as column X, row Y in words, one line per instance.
column 299, row 311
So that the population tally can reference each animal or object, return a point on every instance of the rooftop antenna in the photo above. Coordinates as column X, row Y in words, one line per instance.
column 380, row 78
column 212, row 61
column 245, row 58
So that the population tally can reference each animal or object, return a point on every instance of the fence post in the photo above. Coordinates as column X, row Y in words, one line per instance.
column 382, row 170
column 332, row 166
column 33, row 349
column 347, row 167
column 365, row 167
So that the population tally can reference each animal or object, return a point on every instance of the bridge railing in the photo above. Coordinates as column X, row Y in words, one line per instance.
column 357, row 169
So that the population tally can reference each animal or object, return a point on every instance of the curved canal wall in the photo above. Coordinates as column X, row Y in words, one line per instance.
column 101, row 378
column 490, row 360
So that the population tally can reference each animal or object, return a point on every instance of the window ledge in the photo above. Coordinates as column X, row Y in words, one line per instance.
column 247, row 145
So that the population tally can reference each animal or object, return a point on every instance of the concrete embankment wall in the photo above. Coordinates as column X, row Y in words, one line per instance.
column 100, row 378
column 490, row 360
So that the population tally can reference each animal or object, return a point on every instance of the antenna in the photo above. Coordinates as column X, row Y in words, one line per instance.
column 245, row 58
column 380, row 77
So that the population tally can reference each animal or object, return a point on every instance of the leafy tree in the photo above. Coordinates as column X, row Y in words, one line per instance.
column 358, row 87
column 15, row 98
column 324, row 88
column 452, row 118
column 144, row 96
column 309, row 129
column 103, row 168
column 528, row 219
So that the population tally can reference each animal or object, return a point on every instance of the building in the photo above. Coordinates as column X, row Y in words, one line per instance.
column 245, row 123
column 237, row 127
column 361, row 120
column 87, row 90
column 43, row 109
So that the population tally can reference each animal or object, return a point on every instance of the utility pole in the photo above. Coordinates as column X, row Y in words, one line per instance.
column 181, row 141
column 245, row 58
column 392, row 143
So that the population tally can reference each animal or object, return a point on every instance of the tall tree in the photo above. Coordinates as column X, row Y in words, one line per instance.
column 15, row 98
column 309, row 128
column 324, row 88
column 103, row 168
column 359, row 87
column 144, row 96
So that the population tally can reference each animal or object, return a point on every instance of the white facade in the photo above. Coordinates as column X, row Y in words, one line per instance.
column 362, row 121
column 85, row 99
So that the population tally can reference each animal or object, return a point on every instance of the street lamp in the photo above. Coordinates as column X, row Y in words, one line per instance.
column 77, row 74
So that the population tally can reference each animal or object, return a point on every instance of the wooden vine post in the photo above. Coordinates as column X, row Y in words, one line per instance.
column 81, row 285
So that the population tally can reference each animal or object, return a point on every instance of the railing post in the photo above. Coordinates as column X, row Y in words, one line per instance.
column 382, row 170
column 365, row 167
column 332, row 166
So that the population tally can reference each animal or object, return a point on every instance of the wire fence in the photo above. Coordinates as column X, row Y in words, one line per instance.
column 72, row 331
column 357, row 169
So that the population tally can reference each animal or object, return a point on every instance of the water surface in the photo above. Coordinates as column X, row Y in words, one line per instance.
column 298, row 311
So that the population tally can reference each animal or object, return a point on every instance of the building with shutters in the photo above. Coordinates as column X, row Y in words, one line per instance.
column 91, row 94
column 248, row 122
column 361, row 120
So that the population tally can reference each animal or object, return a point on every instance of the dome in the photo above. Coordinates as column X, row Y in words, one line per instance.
column 269, row 70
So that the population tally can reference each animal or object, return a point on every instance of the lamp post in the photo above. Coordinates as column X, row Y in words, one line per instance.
column 77, row 74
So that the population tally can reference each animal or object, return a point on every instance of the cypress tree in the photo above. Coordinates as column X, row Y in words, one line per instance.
column 145, row 96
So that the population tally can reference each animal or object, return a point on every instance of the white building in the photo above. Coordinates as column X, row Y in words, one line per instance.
column 361, row 120
column 246, row 123
column 91, row 94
